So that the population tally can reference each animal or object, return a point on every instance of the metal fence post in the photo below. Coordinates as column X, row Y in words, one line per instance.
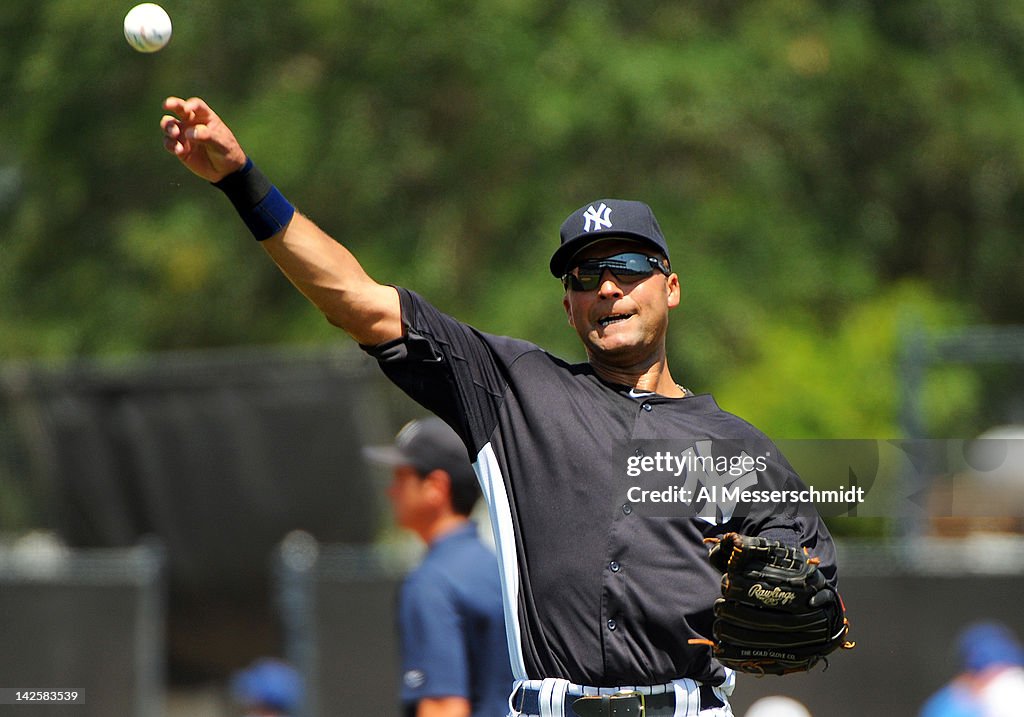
column 295, row 564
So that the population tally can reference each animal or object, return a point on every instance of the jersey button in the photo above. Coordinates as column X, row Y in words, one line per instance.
column 614, row 566
column 638, row 452
column 648, row 407
column 627, row 508
column 612, row 625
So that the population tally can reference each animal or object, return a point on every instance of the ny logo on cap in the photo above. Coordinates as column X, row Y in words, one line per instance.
column 598, row 217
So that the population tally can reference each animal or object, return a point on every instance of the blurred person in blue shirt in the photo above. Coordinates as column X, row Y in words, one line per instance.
column 450, row 615
column 992, row 681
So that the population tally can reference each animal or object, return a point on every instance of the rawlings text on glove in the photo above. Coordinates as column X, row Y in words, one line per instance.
column 777, row 614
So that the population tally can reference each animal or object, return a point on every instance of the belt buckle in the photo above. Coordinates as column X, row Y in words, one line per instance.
column 622, row 694
column 603, row 705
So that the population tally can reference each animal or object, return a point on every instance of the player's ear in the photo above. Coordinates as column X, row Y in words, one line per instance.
column 439, row 485
column 673, row 290
column 567, row 305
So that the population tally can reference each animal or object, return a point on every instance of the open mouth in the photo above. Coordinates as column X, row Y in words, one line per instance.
column 612, row 319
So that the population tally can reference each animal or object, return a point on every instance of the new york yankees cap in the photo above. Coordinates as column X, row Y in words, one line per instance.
column 426, row 444
column 603, row 219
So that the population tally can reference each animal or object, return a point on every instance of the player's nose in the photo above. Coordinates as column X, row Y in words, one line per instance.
column 609, row 287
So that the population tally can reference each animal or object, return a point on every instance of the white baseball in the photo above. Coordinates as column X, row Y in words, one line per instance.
column 147, row 27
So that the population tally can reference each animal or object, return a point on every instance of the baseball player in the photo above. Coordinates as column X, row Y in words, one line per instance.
column 454, row 659
column 608, row 610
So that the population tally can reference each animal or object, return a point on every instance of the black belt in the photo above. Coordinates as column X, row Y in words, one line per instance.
column 625, row 704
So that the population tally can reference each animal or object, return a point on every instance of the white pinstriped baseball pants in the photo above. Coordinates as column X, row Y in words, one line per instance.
column 556, row 696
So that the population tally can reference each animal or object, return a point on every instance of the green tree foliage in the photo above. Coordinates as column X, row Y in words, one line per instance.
column 821, row 169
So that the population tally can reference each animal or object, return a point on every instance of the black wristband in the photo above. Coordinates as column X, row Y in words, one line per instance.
column 259, row 203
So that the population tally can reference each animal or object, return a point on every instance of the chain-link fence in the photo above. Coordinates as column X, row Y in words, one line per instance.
column 219, row 454
column 87, row 621
column 338, row 606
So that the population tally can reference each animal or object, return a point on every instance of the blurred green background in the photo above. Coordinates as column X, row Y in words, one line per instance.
column 824, row 170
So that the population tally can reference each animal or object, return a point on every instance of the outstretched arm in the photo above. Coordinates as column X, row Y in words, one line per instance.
column 322, row 269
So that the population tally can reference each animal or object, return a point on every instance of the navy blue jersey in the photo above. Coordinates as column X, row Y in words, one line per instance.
column 597, row 591
column 452, row 626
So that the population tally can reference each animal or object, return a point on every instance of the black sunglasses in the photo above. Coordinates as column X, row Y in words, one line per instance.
column 628, row 267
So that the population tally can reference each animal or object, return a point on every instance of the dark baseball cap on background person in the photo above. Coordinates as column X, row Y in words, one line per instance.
column 426, row 444
column 603, row 219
